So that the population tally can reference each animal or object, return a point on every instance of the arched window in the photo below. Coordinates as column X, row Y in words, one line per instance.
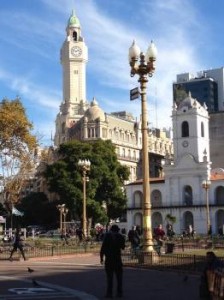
column 138, row 199
column 138, row 220
column 202, row 129
column 156, row 219
column 188, row 195
column 63, row 127
column 185, row 129
column 74, row 36
column 188, row 220
column 219, row 195
column 116, row 134
column 156, row 198
column 219, row 221
column 92, row 132
column 89, row 132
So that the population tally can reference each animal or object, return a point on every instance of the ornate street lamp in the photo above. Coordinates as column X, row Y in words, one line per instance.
column 206, row 185
column 85, row 166
column 143, row 65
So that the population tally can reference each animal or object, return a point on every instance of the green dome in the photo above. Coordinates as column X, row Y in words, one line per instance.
column 73, row 21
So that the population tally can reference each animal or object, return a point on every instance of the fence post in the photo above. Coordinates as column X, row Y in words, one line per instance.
column 194, row 264
column 182, row 243
column 213, row 242
column 52, row 251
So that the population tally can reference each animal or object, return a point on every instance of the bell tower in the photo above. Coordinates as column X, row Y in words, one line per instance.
column 191, row 130
column 73, row 58
column 191, row 164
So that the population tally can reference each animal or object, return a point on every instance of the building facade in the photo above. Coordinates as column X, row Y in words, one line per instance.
column 181, row 192
column 207, row 87
column 216, row 132
column 81, row 120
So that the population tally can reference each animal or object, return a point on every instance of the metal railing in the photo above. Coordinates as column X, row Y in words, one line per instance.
column 32, row 251
column 174, row 261
column 180, row 258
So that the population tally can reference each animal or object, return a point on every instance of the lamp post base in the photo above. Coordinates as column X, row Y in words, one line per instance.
column 149, row 257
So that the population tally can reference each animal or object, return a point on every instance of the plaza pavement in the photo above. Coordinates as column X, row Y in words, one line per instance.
column 81, row 277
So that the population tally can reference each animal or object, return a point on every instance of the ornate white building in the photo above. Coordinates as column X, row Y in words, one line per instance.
column 181, row 191
column 77, row 119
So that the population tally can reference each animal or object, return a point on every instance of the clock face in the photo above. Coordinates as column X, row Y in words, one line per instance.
column 76, row 51
column 185, row 144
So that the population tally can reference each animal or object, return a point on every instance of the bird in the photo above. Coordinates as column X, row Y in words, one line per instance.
column 35, row 283
column 30, row 270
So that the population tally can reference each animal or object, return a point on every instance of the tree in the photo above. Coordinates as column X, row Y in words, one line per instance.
column 171, row 219
column 38, row 210
column 17, row 148
column 106, row 179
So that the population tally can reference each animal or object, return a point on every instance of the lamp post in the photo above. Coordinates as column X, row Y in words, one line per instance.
column 206, row 185
column 143, row 65
column 61, row 207
column 65, row 212
column 85, row 166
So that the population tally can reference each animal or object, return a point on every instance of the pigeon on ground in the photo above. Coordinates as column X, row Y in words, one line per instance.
column 30, row 270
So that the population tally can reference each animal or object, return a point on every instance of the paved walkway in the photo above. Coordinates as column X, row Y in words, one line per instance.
column 83, row 278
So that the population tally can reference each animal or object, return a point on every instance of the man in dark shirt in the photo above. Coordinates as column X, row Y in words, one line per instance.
column 111, row 248
column 134, row 239
column 17, row 244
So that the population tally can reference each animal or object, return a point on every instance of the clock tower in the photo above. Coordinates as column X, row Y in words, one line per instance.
column 73, row 57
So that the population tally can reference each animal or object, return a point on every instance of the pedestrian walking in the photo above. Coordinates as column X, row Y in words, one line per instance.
column 134, row 239
column 112, row 245
column 64, row 237
column 159, row 235
column 17, row 244
column 80, row 234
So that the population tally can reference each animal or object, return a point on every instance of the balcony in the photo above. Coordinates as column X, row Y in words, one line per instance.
column 127, row 158
column 177, row 206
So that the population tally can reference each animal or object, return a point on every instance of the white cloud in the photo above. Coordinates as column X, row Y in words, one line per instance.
column 176, row 27
column 36, row 94
column 109, row 39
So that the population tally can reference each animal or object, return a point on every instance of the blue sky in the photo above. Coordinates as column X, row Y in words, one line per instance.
column 187, row 34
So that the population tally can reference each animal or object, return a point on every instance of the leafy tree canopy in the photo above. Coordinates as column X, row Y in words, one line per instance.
column 17, row 147
column 38, row 210
column 15, row 128
column 106, row 179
